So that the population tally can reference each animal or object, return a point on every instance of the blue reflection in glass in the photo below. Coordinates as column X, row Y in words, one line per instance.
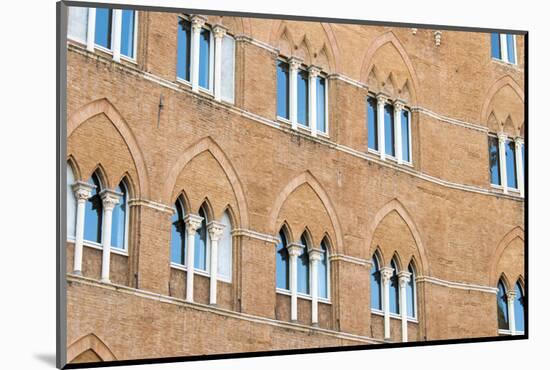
column 204, row 59
column 321, row 100
column 372, row 119
column 375, row 285
column 282, row 262
column 389, row 138
column 519, row 309
column 495, row 45
column 118, row 225
column 184, row 49
column 511, row 45
column 410, row 294
column 93, row 213
column 200, row 243
column 127, row 36
column 502, row 307
column 303, row 269
column 405, row 145
column 177, row 241
column 103, row 24
column 323, row 272
column 494, row 161
column 282, row 89
column 394, row 289
column 303, row 104
column 511, row 164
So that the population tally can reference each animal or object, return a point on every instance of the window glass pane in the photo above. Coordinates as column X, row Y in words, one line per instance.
column 119, row 219
column 321, row 100
column 94, row 213
column 282, row 263
column 511, row 164
column 228, row 69
column 204, row 59
column 303, row 269
column 519, row 313
column 322, row 271
column 389, row 138
column 405, row 145
column 71, row 204
column 303, row 98
column 495, row 45
column 375, row 285
column 282, row 89
column 410, row 294
column 127, row 37
column 177, row 242
column 200, row 243
column 394, row 290
column 372, row 123
column 502, row 307
column 103, row 24
column 494, row 165
column 184, row 49
column 511, row 45
column 225, row 249
column 77, row 27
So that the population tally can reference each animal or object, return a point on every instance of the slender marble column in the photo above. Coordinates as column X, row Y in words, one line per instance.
column 192, row 224
column 313, row 73
column 397, row 108
column 110, row 199
column 294, row 250
column 315, row 256
column 510, row 297
column 502, row 160
column 404, row 278
column 215, row 229
column 519, row 165
column 82, row 191
column 219, row 33
column 387, row 273
column 197, row 22
column 293, row 63
column 381, row 102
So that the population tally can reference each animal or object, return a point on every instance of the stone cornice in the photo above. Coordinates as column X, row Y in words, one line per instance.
column 456, row 285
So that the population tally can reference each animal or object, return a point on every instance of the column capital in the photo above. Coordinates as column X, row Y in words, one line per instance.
column 386, row 273
column 399, row 104
column 197, row 21
column 404, row 277
column 314, row 71
column 82, row 190
column 502, row 137
column 315, row 254
column 219, row 31
column 192, row 222
column 294, row 249
column 295, row 62
column 215, row 229
column 110, row 198
column 519, row 140
column 382, row 98
column 510, row 296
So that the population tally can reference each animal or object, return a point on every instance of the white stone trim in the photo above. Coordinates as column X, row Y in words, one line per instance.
column 350, row 259
column 151, row 204
column 255, row 235
column 302, row 295
column 258, row 43
column 394, row 316
column 456, row 285
column 452, row 121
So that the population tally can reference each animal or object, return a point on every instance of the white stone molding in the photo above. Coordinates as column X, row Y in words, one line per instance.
column 117, row 29
column 197, row 22
column 510, row 297
column 215, row 229
column 314, row 72
column 255, row 235
column 293, row 63
column 381, row 100
column 404, row 278
column 82, row 191
column 294, row 250
column 398, row 106
column 110, row 199
column 386, row 273
column 518, row 143
column 437, row 38
column 456, row 285
column 90, row 34
column 414, row 30
column 502, row 161
column 135, row 202
column 350, row 259
column 503, row 47
column 219, row 33
column 315, row 255
column 192, row 224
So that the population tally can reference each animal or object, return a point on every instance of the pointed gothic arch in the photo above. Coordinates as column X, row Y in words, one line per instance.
column 90, row 342
column 516, row 232
column 503, row 81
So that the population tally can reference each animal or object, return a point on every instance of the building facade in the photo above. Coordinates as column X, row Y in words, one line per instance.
column 240, row 184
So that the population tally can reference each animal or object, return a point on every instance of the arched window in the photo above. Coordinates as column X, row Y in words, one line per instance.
column 71, row 204
column 394, row 289
column 375, row 284
column 519, row 311
column 502, row 307
column 303, row 268
column 225, row 249
column 323, row 271
column 177, row 241
column 201, row 238
column 94, row 213
column 411, row 293
column 119, row 232
column 282, row 262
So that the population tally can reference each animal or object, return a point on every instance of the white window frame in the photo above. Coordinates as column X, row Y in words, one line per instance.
column 279, row 118
column 370, row 150
column 413, row 279
column 211, row 51
column 319, row 132
column 504, row 49
column 410, row 161
column 126, row 220
column 302, row 126
column 178, row 78
column 387, row 155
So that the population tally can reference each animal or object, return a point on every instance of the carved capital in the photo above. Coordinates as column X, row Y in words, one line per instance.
column 192, row 222
column 315, row 254
column 219, row 31
column 110, row 198
column 295, row 62
column 386, row 273
column 519, row 141
column 294, row 249
column 382, row 99
column 82, row 190
column 437, row 37
column 197, row 21
column 215, row 229
column 502, row 137
column 404, row 278
column 510, row 296
column 314, row 71
column 398, row 105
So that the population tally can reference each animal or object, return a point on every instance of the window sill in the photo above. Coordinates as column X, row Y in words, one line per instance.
column 500, row 189
column 505, row 63
column 302, row 295
column 390, row 158
column 97, row 246
column 196, row 271
column 394, row 316
column 508, row 332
